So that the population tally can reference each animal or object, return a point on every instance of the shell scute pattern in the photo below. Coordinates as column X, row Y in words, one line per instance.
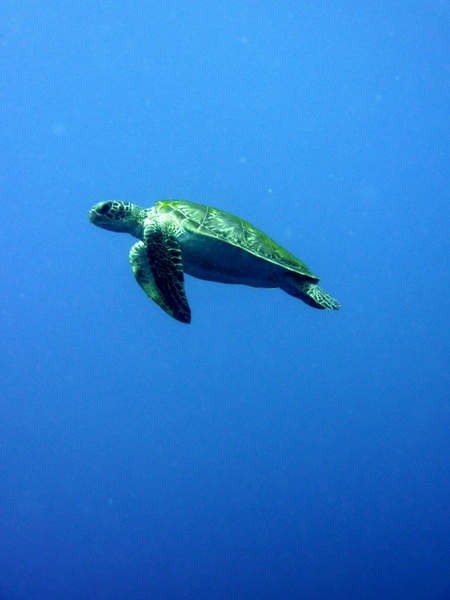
column 225, row 226
column 242, row 234
column 222, row 225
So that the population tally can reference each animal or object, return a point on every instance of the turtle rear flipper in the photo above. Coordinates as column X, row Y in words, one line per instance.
column 309, row 292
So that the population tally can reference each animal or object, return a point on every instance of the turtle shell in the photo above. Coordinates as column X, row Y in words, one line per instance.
column 207, row 221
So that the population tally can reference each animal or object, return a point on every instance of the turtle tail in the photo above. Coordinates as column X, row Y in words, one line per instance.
column 310, row 293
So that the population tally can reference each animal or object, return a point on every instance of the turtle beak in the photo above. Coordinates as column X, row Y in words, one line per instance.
column 96, row 212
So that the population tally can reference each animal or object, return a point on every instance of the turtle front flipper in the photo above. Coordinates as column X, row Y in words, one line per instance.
column 174, row 301
column 166, row 264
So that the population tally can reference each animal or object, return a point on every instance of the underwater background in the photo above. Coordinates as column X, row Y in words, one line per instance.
column 267, row 450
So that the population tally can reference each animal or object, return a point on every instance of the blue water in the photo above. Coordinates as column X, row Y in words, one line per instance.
column 267, row 450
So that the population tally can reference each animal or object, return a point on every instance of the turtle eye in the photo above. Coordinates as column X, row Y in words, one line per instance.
column 104, row 208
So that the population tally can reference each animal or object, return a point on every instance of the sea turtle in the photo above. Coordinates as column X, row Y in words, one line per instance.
column 177, row 236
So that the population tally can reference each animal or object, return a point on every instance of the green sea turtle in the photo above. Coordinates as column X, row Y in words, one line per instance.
column 177, row 236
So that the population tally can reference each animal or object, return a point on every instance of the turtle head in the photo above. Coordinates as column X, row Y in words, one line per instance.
column 115, row 215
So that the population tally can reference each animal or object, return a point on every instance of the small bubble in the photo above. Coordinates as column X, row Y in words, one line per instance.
column 58, row 129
